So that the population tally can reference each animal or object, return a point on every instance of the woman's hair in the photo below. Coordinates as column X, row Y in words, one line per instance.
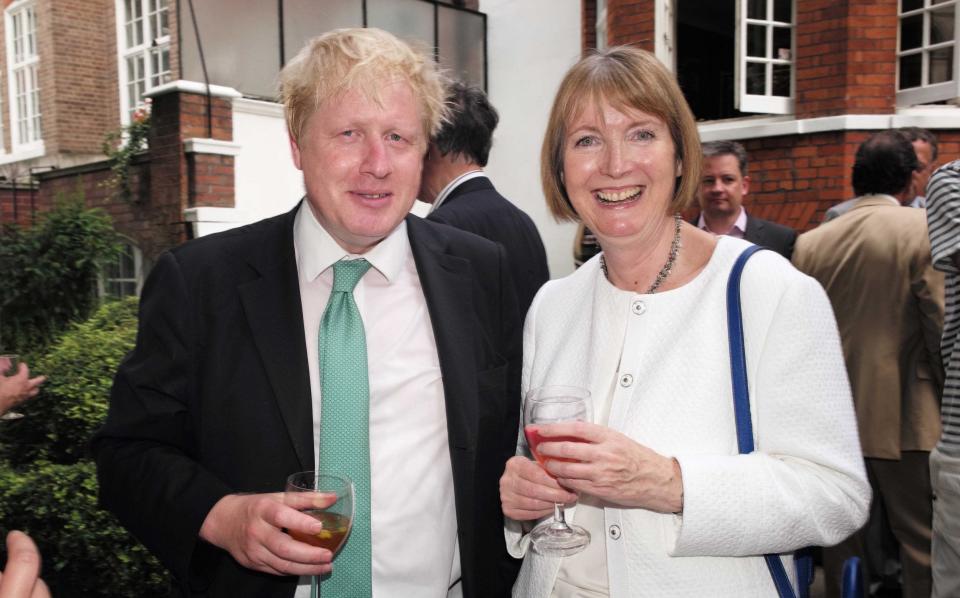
column 625, row 78
column 364, row 60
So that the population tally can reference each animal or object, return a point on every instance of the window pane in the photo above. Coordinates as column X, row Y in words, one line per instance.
column 911, row 68
column 941, row 24
column 782, row 43
column 911, row 32
column 250, row 67
column 783, row 11
column 305, row 19
column 781, row 80
column 908, row 5
column 757, row 41
column 756, row 78
column 461, row 44
column 757, row 9
column 407, row 19
column 941, row 65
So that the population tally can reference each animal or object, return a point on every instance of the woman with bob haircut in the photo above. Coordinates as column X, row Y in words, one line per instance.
column 672, row 508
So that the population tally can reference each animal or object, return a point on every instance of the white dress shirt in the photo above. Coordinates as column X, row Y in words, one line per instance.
column 413, row 519
column 738, row 229
column 446, row 191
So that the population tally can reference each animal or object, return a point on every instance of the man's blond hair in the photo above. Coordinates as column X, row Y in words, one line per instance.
column 364, row 60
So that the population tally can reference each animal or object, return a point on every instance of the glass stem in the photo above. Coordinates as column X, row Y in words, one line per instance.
column 559, row 517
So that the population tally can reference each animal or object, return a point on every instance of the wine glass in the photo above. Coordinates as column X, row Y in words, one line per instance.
column 327, row 498
column 550, row 405
column 9, row 364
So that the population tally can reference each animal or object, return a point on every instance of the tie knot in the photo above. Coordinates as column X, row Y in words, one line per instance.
column 347, row 273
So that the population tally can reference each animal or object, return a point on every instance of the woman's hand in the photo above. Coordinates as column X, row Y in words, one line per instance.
column 612, row 467
column 527, row 492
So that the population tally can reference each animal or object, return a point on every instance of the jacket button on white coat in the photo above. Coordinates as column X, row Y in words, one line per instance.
column 638, row 308
column 615, row 532
column 626, row 380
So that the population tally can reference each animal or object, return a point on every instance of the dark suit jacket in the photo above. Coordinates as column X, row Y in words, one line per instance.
column 215, row 397
column 770, row 235
column 476, row 206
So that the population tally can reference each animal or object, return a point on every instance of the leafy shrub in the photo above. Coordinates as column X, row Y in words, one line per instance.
column 48, row 483
column 73, row 401
column 49, row 272
column 85, row 552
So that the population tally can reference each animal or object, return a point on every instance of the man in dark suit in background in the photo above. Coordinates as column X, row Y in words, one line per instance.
column 462, row 195
column 221, row 398
column 725, row 183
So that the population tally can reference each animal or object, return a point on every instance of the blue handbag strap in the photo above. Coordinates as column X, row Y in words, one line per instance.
column 741, row 397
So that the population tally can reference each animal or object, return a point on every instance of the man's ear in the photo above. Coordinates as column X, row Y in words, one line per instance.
column 746, row 184
column 294, row 150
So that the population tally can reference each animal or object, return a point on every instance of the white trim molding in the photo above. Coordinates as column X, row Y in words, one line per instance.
column 204, row 145
column 207, row 220
column 257, row 107
column 217, row 91
column 931, row 117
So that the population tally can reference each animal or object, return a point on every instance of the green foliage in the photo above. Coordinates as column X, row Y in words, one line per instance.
column 73, row 402
column 85, row 551
column 121, row 147
column 49, row 272
column 48, row 483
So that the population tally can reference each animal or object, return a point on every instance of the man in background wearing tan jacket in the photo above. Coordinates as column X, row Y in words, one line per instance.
column 874, row 262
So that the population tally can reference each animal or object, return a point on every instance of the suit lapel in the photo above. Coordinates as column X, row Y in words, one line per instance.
column 447, row 282
column 754, row 232
column 275, row 316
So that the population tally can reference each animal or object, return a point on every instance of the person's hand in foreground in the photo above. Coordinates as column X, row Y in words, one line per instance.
column 250, row 527
column 18, row 388
column 21, row 576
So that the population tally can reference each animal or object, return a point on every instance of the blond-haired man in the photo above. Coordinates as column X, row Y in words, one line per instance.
column 229, row 388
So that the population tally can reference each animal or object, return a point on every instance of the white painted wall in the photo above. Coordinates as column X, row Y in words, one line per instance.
column 267, row 182
column 530, row 45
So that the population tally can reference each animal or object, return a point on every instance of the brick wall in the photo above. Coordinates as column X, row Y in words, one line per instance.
column 153, row 226
column 21, row 205
column 846, row 57
column 79, row 87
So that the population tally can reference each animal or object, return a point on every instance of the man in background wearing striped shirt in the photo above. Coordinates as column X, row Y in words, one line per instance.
column 943, row 217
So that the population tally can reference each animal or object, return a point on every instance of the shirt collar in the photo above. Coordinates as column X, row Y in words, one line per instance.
column 316, row 250
column 890, row 198
column 740, row 224
column 463, row 178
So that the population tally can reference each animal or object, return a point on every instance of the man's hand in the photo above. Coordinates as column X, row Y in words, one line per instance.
column 250, row 527
column 20, row 578
column 18, row 388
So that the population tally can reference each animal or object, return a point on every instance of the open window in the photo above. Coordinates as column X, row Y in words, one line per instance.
column 733, row 57
column 927, row 52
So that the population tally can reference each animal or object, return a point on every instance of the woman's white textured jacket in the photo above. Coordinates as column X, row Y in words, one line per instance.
column 663, row 358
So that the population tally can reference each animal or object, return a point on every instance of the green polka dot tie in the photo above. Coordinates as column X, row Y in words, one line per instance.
column 344, row 424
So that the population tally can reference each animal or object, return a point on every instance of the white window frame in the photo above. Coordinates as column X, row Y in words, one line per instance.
column 665, row 33
column 766, row 103
column 26, row 130
column 102, row 279
column 143, row 51
column 601, row 24
column 926, row 93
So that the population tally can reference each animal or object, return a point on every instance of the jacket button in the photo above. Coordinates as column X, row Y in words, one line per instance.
column 638, row 308
column 626, row 380
column 615, row 532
